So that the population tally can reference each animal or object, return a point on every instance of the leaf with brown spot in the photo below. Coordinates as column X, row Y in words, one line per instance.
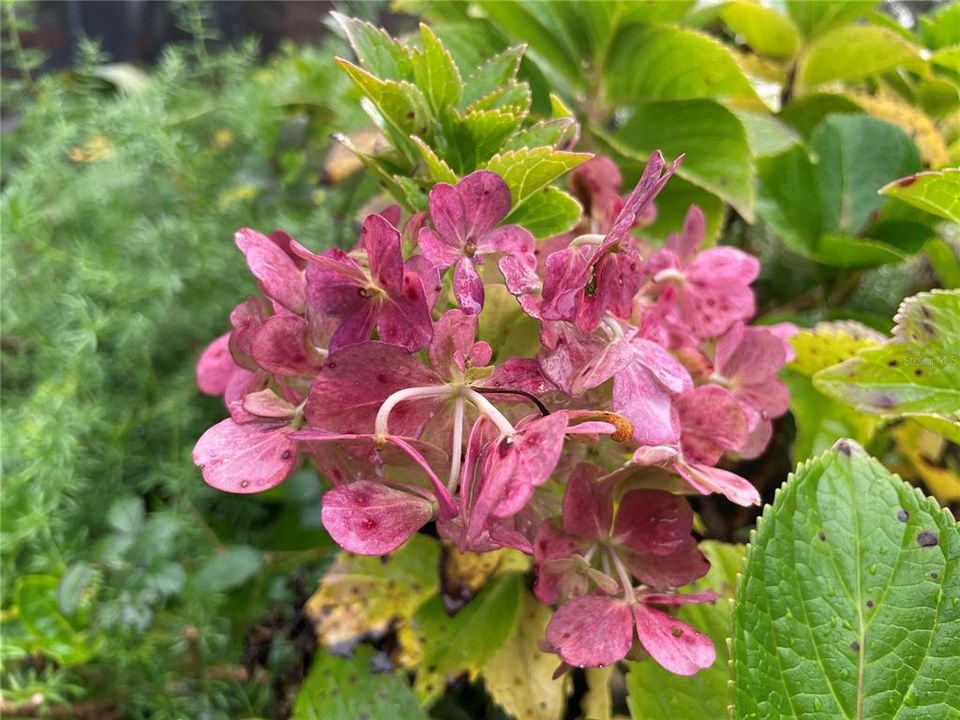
column 520, row 676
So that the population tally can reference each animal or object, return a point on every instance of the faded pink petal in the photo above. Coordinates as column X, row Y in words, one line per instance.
column 596, row 184
column 404, row 317
column 757, row 441
column 453, row 337
column 523, row 283
column 381, row 240
column 436, row 249
column 485, row 199
column 467, row 286
column 274, row 269
column 713, row 423
column 216, row 366
column 785, row 331
column 267, row 404
column 674, row 645
column 355, row 381
column 511, row 240
column 247, row 458
column 280, row 347
column 682, row 566
column 651, row 182
column 653, row 521
column 587, row 504
column 748, row 355
column 429, row 277
column 552, row 550
column 567, row 273
column 372, row 519
column 519, row 374
column 591, row 631
column 706, row 480
column 647, row 404
column 689, row 240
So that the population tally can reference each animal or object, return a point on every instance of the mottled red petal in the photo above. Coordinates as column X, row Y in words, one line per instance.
column 216, row 366
column 674, row 645
column 591, row 631
column 245, row 458
column 372, row 519
column 277, row 273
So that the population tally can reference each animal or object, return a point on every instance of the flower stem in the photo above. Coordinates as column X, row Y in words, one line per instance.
column 488, row 409
column 511, row 391
column 383, row 415
column 623, row 575
column 457, row 444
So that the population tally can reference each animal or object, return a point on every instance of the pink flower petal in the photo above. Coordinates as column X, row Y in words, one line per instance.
column 684, row 565
column 381, row 240
column 555, row 579
column 647, row 188
column 749, row 355
column 688, row 242
column 486, row 201
column 372, row 519
column 277, row 273
column 453, row 334
column 596, row 184
column 467, row 286
column 674, row 645
column 429, row 277
column 405, row 315
column 653, row 521
column 280, row 347
column 519, row 374
column 267, row 404
column 247, row 458
column 705, row 480
column 510, row 240
column 567, row 273
column 437, row 249
column 591, row 631
column 587, row 504
column 216, row 366
column 648, row 405
column 355, row 381
column 713, row 423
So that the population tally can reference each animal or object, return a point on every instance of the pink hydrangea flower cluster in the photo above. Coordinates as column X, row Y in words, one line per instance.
column 367, row 363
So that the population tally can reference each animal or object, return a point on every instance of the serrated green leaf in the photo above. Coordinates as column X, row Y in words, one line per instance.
column 917, row 372
column 545, row 132
column 670, row 63
column 857, row 155
column 339, row 688
column 487, row 131
column 547, row 213
column 436, row 73
column 377, row 51
column 414, row 194
column 362, row 594
column 815, row 18
column 765, row 30
column 527, row 170
column 935, row 192
column 438, row 169
column 654, row 693
column 718, row 156
column 496, row 72
column 519, row 677
column 228, row 569
column 512, row 97
column 854, row 52
column 471, row 637
column 849, row 603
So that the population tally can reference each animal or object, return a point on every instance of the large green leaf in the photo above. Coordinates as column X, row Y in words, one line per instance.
column 788, row 199
column 435, row 72
column 935, row 192
column 527, row 170
column 814, row 18
column 657, row 694
column 547, row 213
column 849, row 603
column 857, row 155
column 854, row 52
column 765, row 30
column 915, row 373
column 671, row 63
column 470, row 638
column 339, row 688
column 714, row 139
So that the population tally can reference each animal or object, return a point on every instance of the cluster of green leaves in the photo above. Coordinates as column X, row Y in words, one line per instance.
column 128, row 586
column 440, row 123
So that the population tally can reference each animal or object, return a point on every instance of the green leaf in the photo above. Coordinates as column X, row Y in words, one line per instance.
column 438, row 169
column 361, row 594
column 718, row 156
column 766, row 135
column 506, row 327
column 675, row 200
column 498, row 71
column 514, row 98
column 945, row 261
column 126, row 514
column 840, row 250
column 435, row 72
column 935, row 192
column 765, row 30
column 855, row 52
column 805, row 114
column 848, row 603
column 942, row 27
column 377, row 51
column 228, row 569
column 486, row 131
column 815, row 18
column 671, row 63
column 547, row 213
column 519, row 677
column 917, row 372
column 469, row 639
column 527, row 170
column 857, row 155
column 545, row 132
column 35, row 597
column 788, row 199
column 339, row 688
column 78, row 579
column 656, row 694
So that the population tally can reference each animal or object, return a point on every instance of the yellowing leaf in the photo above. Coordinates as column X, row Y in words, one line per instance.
column 520, row 676
column 924, row 450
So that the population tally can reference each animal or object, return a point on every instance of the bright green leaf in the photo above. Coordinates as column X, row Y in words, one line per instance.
column 545, row 132
column 718, row 156
column 805, row 114
column 527, row 170
column 935, row 192
column 848, row 603
column 945, row 261
column 377, row 51
column 656, row 694
column 766, row 135
column 339, row 688
column 941, row 28
column 765, row 30
column 671, row 63
column 547, row 213
column 815, row 18
column 438, row 169
column 435, row 72
column 496, row 72
column 854, row 52
column 917, row 372
column 35, row 597
column 788, row 199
